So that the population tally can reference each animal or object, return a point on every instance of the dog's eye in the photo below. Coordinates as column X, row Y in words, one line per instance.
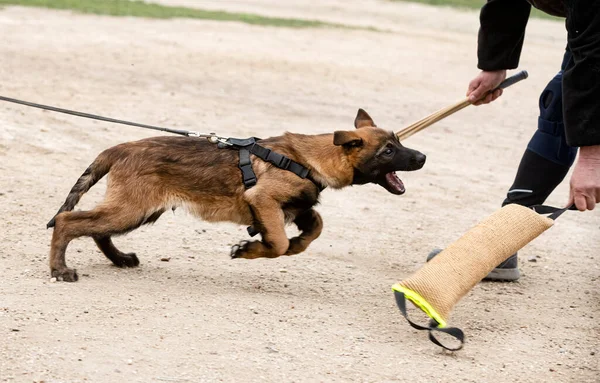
column 388, row 151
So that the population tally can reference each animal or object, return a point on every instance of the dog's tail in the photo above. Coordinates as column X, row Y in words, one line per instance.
column 98, row 169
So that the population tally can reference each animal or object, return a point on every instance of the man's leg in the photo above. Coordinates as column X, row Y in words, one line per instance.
column 545, row 163
column 548, row 158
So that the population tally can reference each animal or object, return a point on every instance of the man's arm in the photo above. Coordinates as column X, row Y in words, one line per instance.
column 499, row 45
column 501, row 34
column 581, row 80
column 581, row 100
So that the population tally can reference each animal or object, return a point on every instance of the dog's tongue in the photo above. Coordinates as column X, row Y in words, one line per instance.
column 394, row 184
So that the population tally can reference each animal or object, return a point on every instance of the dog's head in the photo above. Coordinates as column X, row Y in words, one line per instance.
column 377, row 154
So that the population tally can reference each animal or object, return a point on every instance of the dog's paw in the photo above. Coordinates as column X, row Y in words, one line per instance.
column 127, row 260
column 297, row 245
column 238, row 251
column 66, row 274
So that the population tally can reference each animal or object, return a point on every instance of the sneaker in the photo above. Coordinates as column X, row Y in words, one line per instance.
column 506, row 271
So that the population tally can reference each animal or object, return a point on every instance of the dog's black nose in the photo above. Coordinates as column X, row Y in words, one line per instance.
column 418, row 161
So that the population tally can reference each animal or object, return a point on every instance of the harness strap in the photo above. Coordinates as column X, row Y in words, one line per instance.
column 248, row 146
column 236, row 143
column 279, row 160
column 248, row 176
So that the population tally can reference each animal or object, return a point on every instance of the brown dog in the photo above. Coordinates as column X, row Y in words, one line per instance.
column 150, row 176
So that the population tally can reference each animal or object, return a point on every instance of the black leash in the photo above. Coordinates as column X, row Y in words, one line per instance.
column 454, row 332
column 211, row 136
column 244, row 146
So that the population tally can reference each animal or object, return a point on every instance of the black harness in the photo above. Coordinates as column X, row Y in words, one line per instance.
column 249, row 146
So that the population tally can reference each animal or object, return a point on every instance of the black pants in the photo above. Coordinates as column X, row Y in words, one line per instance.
column 547, row 158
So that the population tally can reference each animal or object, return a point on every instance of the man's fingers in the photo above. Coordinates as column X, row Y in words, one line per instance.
column 477, row 94
column 571, row 200
column 591, row 203
column 580, row 202
column 480, row 87
column 485, row 100
column 497, row 93
column 585, row 181
column 474, row 84
column 583, row 199
column 480, row 94
column 489, row 98
column 477, row 89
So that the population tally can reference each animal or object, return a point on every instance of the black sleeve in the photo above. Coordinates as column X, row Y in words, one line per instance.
column 501, row 33
column 581, row 79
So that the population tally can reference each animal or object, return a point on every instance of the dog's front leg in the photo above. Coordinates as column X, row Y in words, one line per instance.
column 270, row 217
column 310, row 224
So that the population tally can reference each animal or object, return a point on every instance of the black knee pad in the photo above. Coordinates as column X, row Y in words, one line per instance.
column 549, row 141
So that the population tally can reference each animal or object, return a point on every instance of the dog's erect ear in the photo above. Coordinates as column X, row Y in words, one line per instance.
column 347, row 139
column 363, row 119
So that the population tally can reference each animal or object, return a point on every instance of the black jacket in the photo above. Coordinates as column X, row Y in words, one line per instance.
column 500, row 41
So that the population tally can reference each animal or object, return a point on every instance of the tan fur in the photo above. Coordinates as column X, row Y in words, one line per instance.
column 151, row 176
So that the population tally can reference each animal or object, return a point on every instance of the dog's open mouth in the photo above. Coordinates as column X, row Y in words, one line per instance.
column 393, row 184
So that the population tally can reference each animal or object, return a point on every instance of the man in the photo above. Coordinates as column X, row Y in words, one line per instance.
column 569, row 105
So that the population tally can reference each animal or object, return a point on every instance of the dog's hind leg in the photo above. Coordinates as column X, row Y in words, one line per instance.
column 310, row 224
column 99, row 223
column 274, row 242
column 117, row 257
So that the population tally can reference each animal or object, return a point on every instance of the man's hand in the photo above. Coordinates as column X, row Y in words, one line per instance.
column 585, row 181
column 483, row 83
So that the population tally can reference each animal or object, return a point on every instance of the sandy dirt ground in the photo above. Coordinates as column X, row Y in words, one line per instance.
column 325, row 315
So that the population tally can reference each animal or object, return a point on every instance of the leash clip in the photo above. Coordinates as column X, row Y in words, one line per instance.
column 211, row 137
column 220, row 140
column 194, row 134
